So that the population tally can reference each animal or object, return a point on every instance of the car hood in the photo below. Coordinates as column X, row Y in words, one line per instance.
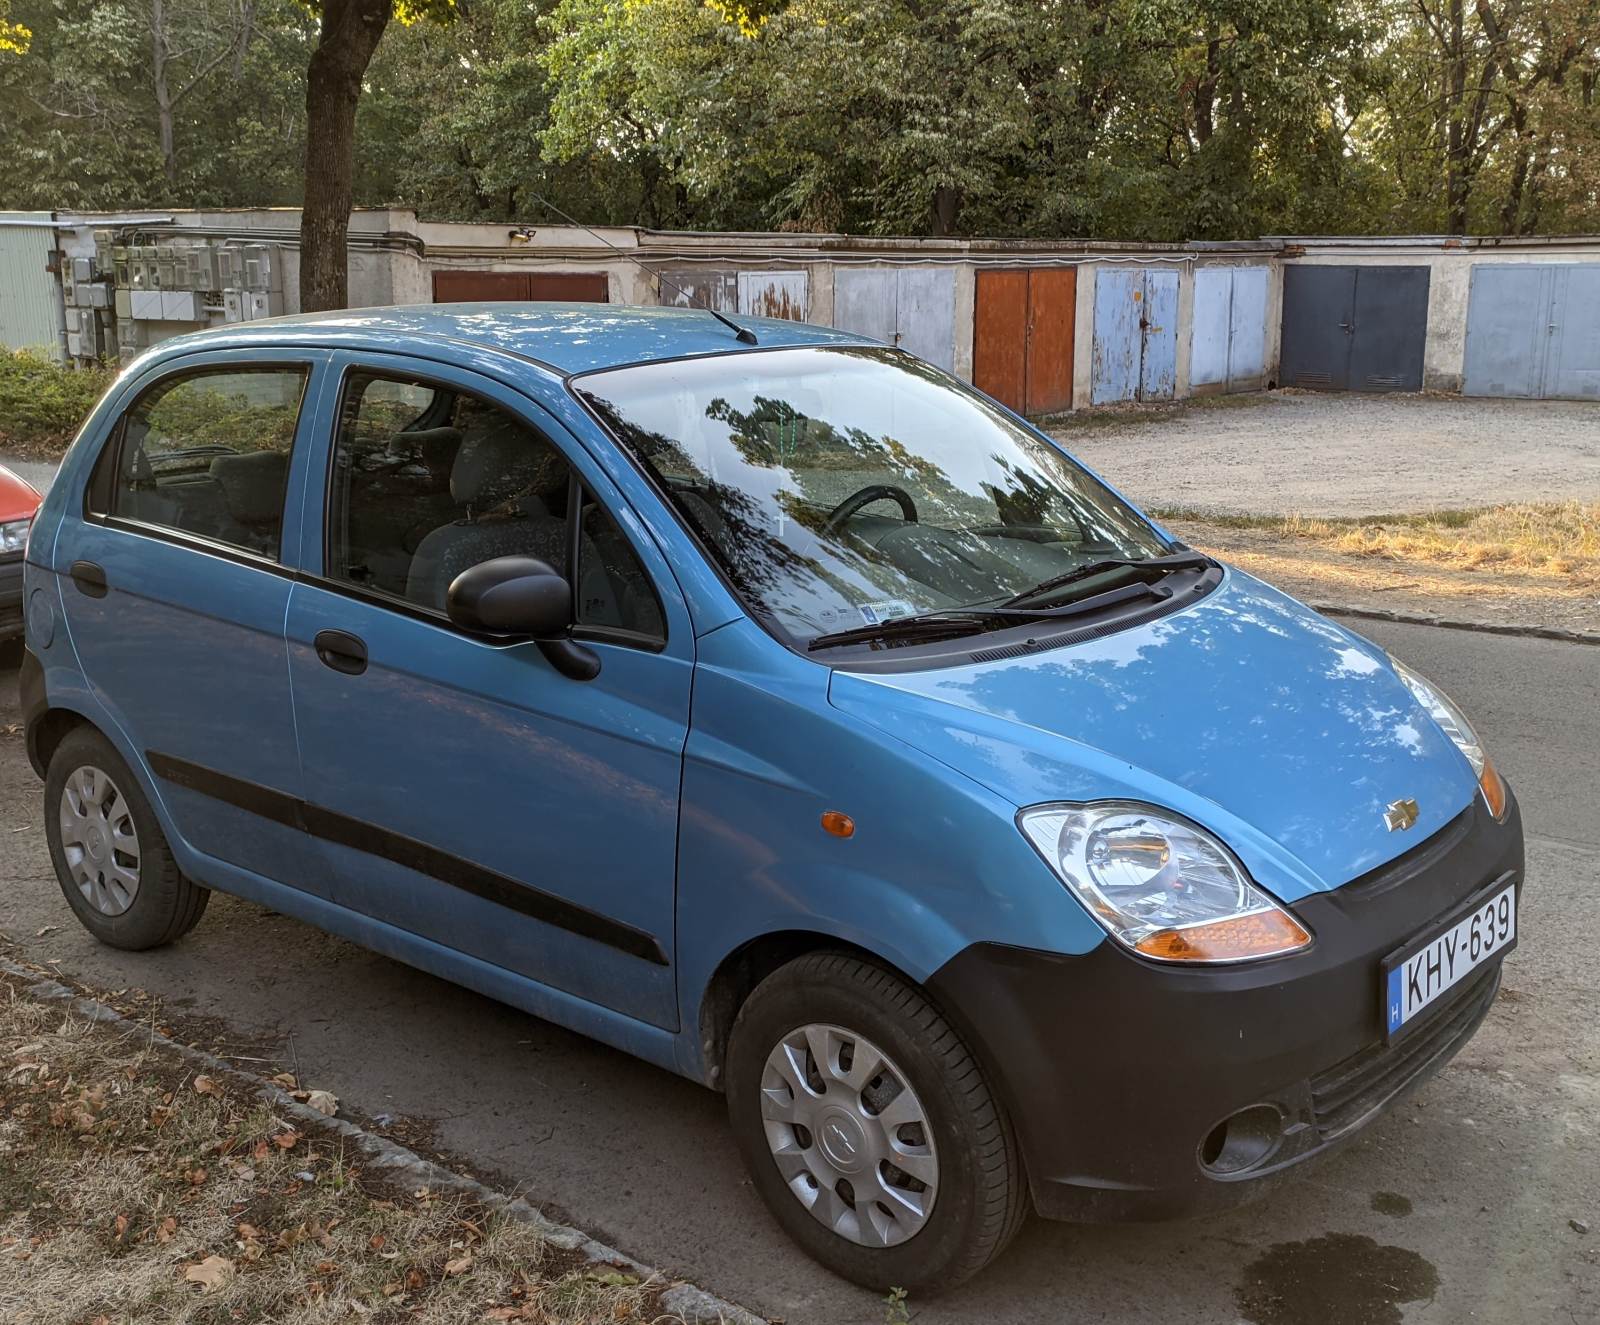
column 1282, row 732
column 17, row 496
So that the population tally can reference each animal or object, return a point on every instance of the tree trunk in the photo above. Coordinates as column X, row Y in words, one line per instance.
column 1456, row 181
column 163, row 92
column 946, row 209
column 351, row 30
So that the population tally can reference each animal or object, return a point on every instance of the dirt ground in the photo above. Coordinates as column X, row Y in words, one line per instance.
column 1288, row 452
column 1321, row 576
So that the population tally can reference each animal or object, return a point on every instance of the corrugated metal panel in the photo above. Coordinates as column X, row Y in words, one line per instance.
column 1247, row 330
column 1118, row 350
column 29, row 306
column 783, row 294
column 702, row 287
column 1210, row 328
column 1158, row 375
column 864, row 300
column 1052, row 315
column 1572, row 369
column 1391, row 328
column 1000, row 336
column 925, row 313
column 1508, row 333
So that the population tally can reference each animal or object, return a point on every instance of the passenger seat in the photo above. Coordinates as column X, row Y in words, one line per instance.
column 253, row 486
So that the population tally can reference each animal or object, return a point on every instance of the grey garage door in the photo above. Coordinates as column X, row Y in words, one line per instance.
column 912, row 307
column 1533, row 330
column 1354, row 328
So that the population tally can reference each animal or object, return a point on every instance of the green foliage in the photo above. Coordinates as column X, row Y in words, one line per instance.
column 1117, row 119
column 41, row 403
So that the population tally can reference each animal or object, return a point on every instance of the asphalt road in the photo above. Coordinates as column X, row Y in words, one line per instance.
column 1454, row 1208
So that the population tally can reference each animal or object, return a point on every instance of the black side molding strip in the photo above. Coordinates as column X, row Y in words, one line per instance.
column 357, row 834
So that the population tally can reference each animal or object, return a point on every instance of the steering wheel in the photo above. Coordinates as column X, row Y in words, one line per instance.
column 865, row 497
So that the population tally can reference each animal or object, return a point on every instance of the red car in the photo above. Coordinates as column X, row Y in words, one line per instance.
column 18, row 502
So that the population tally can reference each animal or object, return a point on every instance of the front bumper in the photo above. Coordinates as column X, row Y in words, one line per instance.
column 1118, row 1071
column 11, row 597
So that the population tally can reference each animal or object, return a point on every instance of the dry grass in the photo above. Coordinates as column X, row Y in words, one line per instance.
column 133, row 1191
column 1559, row 540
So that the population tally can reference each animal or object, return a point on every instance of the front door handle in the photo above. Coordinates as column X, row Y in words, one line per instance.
column 90, row 578
column 342, row 651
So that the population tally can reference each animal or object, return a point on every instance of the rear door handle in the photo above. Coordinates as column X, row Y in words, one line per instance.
column 342, row 651
column 90, row 578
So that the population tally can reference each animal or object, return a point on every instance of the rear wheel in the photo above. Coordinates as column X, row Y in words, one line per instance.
column 869, row 1128
column 111, row 858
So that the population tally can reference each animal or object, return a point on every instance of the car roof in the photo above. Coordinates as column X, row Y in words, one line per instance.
column 568, row 338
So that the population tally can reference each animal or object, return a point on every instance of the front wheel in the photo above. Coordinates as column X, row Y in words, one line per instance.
column 868, row 1127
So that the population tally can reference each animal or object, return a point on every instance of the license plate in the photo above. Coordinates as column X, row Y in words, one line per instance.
column 1428, row 969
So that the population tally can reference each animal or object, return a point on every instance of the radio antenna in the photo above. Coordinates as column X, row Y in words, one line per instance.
column 742, row 334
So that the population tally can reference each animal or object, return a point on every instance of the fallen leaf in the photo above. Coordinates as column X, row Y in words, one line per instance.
column 286, row 1080
column 211, row 1274
column 286, row 1140
column 205, row 1086
column 194, row 1177
column 460, row 1264
column 166, row 1229
column 121, row 1224
column 323, row 1101
column 375, row 1242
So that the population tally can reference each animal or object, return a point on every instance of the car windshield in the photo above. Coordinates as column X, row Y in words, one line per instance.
column 844, row 486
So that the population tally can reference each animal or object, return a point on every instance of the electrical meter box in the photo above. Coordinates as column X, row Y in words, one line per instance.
column 261, row 269
column 233, row 306
column 201, row 271
column 263, row 303
column 103, row 247
column 120, row 265
column 82, row 269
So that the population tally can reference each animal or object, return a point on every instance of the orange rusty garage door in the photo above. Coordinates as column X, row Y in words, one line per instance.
column 584, row 287
column 1022, row 337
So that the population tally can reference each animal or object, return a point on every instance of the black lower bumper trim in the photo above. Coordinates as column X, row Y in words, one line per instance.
column 1119, row 1073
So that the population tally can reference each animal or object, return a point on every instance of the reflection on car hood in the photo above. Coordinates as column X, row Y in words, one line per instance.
column 1284, row 733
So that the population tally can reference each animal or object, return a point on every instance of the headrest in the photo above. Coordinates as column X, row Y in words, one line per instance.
column 501, row 462
column 430, row 445
column 253, row 484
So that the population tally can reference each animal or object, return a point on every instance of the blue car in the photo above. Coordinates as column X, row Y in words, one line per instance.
column 780, row 710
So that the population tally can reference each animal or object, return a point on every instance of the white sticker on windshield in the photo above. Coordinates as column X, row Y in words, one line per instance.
column 875, row 614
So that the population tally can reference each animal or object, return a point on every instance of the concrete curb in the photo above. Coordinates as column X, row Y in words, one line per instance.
column 692, row 1305
column 1483, row 627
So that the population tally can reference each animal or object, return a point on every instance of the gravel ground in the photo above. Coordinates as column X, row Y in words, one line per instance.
column 1313, row 454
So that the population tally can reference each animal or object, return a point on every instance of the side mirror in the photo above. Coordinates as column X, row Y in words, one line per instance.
column 522, row 596
column 511, row 596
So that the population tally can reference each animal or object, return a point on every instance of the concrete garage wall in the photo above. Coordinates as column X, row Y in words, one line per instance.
column 394, row 259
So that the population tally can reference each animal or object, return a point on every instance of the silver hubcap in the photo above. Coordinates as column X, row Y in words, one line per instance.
column 99, row 841
column 849, row 1135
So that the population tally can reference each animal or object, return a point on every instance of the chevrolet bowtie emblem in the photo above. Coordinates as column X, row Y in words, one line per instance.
column 1400, row 815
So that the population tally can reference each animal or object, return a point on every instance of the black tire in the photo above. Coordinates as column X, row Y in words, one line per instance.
column 981, row 1199
column 165, row 906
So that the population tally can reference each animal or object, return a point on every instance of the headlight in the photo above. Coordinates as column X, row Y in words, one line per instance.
column 14, row 535
column 1453, row 722
column 1160, row 885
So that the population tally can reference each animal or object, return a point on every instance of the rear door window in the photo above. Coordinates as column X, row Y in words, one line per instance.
column 207, row 454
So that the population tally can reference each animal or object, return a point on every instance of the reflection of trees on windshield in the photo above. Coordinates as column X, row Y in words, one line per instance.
column 759, row 450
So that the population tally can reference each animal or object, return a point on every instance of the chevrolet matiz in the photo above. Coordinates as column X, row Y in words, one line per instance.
column 781, row 710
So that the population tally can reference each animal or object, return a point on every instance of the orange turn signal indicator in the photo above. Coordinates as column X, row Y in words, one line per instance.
column 1261, row 934
column 1494, row 790
column 838, row 824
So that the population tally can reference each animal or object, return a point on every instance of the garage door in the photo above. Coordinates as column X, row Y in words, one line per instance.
column 912, row 307
column 1135, row 334
column 1354, row 328
column 582, row 287
column 1022, row 337
column 1228, row 347
column 1533, row 330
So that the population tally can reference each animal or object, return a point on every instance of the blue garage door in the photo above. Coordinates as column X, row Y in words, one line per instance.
column 1135, row 335
column 1533, row 331
column 1228, row 342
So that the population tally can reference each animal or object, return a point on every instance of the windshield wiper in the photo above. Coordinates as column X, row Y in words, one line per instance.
column 926, row 626
column 1171, row 562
